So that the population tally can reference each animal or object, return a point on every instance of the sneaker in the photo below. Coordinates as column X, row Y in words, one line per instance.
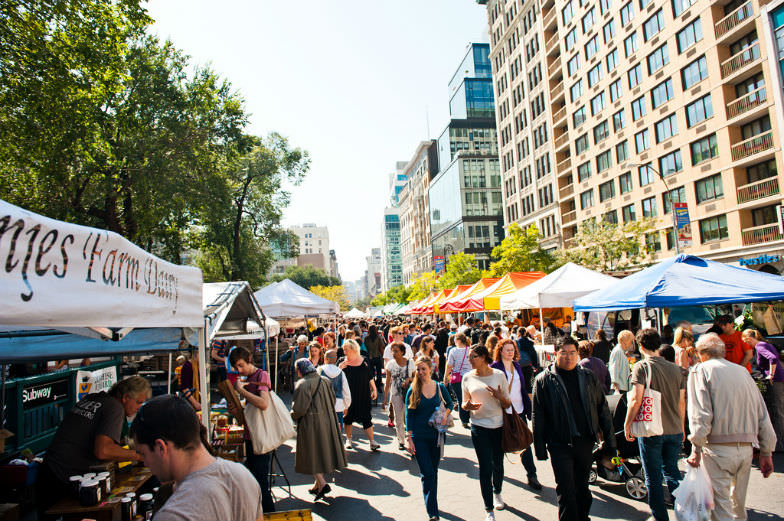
column 490, row 517
column 466, row 425
column 498, row 502
column 534, row 483
column 401, row 446
column 390, row 424
column 349, row 444
column 374, row 446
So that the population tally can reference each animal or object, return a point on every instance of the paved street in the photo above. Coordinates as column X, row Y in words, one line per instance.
column 386, row 486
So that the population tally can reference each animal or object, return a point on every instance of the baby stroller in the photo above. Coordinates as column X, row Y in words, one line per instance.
column 626, row 465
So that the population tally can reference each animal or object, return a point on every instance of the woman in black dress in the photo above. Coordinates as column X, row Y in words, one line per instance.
column 363, row 391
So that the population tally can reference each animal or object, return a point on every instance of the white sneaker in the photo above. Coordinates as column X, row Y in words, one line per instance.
column 498, row 502
column 349, row 444
column 490, row 517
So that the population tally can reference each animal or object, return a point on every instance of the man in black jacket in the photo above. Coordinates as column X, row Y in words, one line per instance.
column 570, row 411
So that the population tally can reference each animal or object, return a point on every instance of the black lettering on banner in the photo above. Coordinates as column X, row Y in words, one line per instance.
column 64, row 253
column 93, row 253
column 9, row 266
column 43, row 250
column 110, row 278
column 33, row 233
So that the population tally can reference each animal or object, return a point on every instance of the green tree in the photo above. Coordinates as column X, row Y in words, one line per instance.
column 307, row 277
column 461, row 269
column 423, row 285
column 520, row 251
column 394, row 295
column 333, row 293
column 607, row 247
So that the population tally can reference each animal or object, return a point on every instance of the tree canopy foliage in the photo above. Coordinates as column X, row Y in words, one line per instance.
column 334, row 293
column 394, row 295
column 520, row 251
column 607, row 247
column 461, row 268
column 307, row 277
column 104, row 125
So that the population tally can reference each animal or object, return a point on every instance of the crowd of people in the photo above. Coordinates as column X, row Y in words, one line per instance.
column 426, row 375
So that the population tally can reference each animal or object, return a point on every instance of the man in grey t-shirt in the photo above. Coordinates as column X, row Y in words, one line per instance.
column 167, row 433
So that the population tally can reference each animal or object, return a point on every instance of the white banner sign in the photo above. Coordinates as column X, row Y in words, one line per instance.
column 88, row 382
column 54, row 273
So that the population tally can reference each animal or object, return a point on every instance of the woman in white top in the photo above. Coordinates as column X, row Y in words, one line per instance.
column 457, row 365
column 485, row 396
column 400, row 371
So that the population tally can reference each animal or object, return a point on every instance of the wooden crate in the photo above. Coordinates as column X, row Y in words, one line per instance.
column 289, row 515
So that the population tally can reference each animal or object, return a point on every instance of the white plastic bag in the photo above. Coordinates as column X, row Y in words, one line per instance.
column 271, row 427
column 648, row 421
column 694, row 496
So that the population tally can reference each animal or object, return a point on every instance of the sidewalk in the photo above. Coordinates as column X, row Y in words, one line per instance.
column 386, row 486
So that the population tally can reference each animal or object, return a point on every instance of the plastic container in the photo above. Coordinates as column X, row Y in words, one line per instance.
column 75, row 481
column 145, row 506
column 89, row 493
column 126, row 507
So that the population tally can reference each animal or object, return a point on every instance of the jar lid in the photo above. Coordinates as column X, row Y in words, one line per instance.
column 104, row 474
column 90, row 475
column 131, row 495
column 126, row 499
column 146, row 497
column 75, row 478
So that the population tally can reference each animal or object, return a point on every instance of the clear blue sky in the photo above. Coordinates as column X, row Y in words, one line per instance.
column 351, row 82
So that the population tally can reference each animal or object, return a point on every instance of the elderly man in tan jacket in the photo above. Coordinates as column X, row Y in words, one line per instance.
column 727, row 418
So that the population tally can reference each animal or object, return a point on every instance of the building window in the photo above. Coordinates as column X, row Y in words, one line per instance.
column 611, row 217
column 679, row 6
column 634, row 75
column 709, row 188
column 573, row 65
column 603, row 161
column 638, row 108
column 694, row 72
column 755, row 128
column 576, row 90
column 641, row 141
column 630, row 44
column 622, row 152
column 625, row 182
column 588, row 20
column 645, row 174
column 619, row 120
column 598, row 103
column 581, row 144
column 704, row 149
column 679, row 194
column 578, row 118
column 601, row 132
column 595, row 74
column 586, row 199
column 671, row 163
column 604, row 5
column 689, row 35
column 764, row 215
column 649, row 207
column 666, row 128
column 658, row 59
column 653, row 25
column 567, row 12
column 609, row 31
column 571, row 39
column 661, row 93
column 761, row 171
column 616, row 90
column 591, row 47
column 627, row 13
column 612, row 60
column 714, row 229
column 700, row 110
column 628, row 213
column 584, row 171
column 606, row 191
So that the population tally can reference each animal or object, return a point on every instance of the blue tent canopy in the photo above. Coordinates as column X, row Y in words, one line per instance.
column 685, row 280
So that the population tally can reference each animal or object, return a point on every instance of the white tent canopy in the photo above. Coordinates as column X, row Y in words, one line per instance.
column 287, row 299
column 354, row 313
column 558, row 289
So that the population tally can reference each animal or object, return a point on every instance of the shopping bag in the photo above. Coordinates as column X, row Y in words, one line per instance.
column 515, row 434
column 694, row 496
column 271, row 427
column 648, row 421
column 772, row 325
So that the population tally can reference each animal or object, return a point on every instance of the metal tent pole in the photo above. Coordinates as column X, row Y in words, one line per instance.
column 168, row 378
column 204, row 389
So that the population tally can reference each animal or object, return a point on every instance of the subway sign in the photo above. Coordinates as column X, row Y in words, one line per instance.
column 42, row 394
column 758, row 261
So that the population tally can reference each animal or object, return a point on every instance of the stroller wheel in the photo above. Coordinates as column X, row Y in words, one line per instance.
column 636, row 488
column 592, row 476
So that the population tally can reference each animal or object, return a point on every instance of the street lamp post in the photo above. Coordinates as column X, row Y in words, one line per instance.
column 672, row 202
column 447, row 248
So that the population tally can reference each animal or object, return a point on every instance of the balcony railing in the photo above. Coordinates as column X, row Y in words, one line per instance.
column 559, row 115
column 566, row 191
column 561, row 140
column 569, row 217
column 758, row 190
column 554, row 67
column 548, row 18
column 557, row 91
column 754, row 145
column 745, row 103
column 732, row 20
column 552, row 41
column 761, row 234
column 564, row 165
column 740, row 60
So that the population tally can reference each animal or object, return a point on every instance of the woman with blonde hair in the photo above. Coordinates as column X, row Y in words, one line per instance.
column 422, row 398
column 363, row 391
column 683, row 342
column 769, row 363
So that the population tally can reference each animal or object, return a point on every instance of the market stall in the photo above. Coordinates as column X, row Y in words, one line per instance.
column 454, row 302
column 488, row 299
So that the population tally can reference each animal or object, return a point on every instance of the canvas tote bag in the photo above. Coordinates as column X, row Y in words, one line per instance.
column 271, row 427
column 648, row 421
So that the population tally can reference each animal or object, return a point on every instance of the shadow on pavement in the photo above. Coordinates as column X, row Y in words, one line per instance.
column 337, row 507
column 372, row 484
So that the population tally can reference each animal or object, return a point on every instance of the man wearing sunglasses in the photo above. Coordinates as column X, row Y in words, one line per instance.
column 167, row 434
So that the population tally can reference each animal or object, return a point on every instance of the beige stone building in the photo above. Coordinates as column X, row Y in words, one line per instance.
column 416, row 251
column 633, row 89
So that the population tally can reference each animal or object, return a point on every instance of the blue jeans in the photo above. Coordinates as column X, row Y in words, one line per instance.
column 527, row 457
column 490, row 455
column 428, row 455
column 458, row 390
column 259, row 466
column 659, row 454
